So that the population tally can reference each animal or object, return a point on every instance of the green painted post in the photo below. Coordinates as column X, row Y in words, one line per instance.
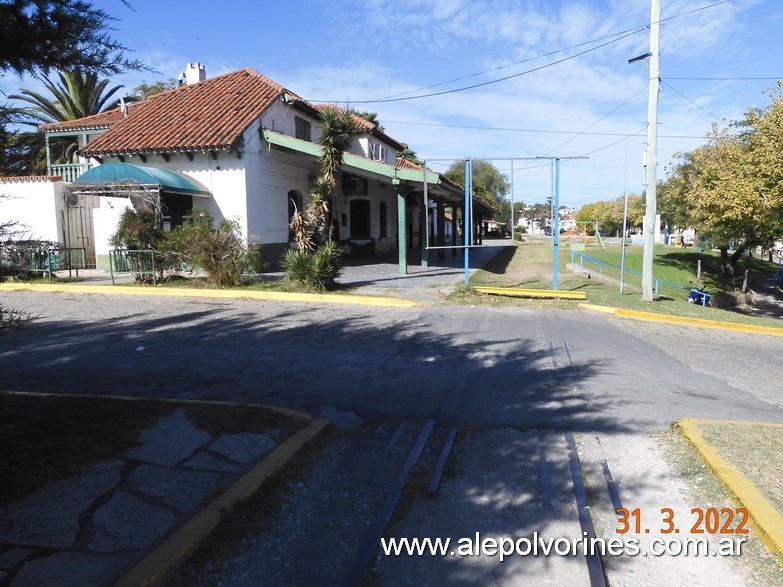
column 424, row 233
column 402, row 233
column 454, row 225
column 441, row 222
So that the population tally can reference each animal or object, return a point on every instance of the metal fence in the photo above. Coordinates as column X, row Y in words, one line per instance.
column 23, row 258
column 135, row 261
column 601, row 265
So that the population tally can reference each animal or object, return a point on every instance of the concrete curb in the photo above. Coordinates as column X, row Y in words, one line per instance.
column 683, row 320
column 172, row 551
column 532, row 293
column 215, row 293
column 765, row 519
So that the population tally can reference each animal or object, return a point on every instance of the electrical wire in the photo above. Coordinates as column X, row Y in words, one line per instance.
column 487, row 83
column 531, row 130
column 620, row 36
column 615, row 109
column 723, row 122
column 725, row 79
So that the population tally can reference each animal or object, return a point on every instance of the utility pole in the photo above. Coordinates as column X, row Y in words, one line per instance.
column 651, row 207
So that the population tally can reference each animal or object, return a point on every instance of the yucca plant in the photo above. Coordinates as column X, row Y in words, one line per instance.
column 297, row 266
column 316, row 262
column 313, row 270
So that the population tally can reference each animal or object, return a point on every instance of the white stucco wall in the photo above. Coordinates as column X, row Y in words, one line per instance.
column 105, row 219
column 224, row 176
column 270, row 175
column 36, row 203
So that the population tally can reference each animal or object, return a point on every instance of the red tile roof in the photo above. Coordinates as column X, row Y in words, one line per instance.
column 209, row 115
column 97, row 121
column 407, row 164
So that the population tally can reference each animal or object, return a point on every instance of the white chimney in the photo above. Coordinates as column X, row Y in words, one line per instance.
column 194, row 73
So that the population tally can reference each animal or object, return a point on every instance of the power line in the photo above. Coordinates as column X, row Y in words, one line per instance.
column 723, row 122
column 530, row 130
column 487, row 83
column 724, row 79
column 620, row 36
column 615, row 109
column 494, row 69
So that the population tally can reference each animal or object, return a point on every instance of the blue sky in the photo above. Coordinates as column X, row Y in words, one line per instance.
column 363, row 51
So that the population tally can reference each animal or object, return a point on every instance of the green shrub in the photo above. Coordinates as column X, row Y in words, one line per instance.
column 313, row 270
column 296, row 264
column 139, row 230
column 254, row 260
column 326, row 266
column 219, row 250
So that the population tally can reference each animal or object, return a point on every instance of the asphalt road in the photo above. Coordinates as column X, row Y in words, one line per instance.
column 493, row 366
column 510, row 380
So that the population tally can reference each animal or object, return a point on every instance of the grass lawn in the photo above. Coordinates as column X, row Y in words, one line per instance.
column 46, row 438
column 529, row 265
column 754, row 449
column 706, row 491
column 679, row 266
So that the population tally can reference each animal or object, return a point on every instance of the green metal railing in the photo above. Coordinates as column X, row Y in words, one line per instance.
column 135, row 261
column 22, row 258
column 600, row 264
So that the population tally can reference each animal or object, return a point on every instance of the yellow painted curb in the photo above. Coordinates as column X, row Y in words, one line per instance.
column 683, row 320
column 602, row 309
column 171, row 552
column 214, row 293
column 765, row 519
column 532, row 293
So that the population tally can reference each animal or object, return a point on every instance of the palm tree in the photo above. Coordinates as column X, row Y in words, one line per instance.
column 316, row 263
column 77, row 94
column 337, row 127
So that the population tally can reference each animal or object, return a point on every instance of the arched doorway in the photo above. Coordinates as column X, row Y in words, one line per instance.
column 360, row 219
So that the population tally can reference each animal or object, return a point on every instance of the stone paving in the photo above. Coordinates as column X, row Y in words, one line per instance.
column 90, row 528
column 426, row 284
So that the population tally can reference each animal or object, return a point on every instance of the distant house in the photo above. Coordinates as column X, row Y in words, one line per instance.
column 244, row 148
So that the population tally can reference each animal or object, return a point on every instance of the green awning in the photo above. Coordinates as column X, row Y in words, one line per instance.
column 351, row 161
column 122, row 174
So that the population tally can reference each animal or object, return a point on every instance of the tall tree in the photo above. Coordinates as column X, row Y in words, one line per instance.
column 488, row 183
column 78, row 93
column 310, row 227
column 609, row 214
column 144, row 90
column 732, row 187
column 75, row 94
column 43, row 35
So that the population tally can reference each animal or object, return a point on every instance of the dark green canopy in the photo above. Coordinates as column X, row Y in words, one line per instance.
column 166, row 180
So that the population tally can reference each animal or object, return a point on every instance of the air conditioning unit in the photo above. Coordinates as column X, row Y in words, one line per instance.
column 355, row 186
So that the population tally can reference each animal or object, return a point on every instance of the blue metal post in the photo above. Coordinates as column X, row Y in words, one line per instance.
column 556, row 223
column 466, row 221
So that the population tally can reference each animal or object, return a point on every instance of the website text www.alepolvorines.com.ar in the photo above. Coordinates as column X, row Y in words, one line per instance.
column 536, row 545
